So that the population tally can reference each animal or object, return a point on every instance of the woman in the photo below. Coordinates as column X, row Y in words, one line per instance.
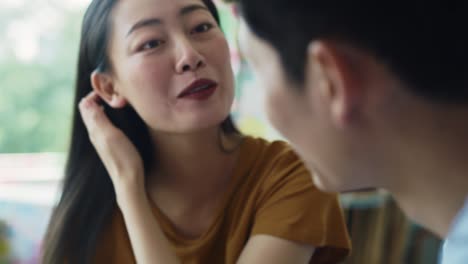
column 157, row 172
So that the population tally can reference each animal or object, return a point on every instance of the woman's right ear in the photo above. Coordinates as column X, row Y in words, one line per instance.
column 103, row 85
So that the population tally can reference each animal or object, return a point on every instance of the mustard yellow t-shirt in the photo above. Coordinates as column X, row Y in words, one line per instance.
column 271, row 193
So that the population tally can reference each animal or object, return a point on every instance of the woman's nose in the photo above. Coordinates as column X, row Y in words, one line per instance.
column 189, row 58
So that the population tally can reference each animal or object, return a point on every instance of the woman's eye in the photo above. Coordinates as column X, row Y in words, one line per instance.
column 202, row 28
column 151, row 44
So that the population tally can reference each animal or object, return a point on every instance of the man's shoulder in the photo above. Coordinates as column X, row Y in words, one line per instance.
column 455, row 248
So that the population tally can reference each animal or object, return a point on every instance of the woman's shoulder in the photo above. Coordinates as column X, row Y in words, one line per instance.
column 288, row 204
column 271, row 162
column 267, row 150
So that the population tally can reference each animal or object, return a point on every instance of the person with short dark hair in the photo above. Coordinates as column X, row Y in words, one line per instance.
column 372, row 94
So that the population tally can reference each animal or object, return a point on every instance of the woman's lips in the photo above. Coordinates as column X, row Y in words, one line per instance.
column 199, row 88
column 202, row 94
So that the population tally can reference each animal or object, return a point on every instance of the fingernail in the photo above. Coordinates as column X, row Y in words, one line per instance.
column 87, row 104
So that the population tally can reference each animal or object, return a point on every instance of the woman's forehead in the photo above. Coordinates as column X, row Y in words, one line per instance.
column 128, row 11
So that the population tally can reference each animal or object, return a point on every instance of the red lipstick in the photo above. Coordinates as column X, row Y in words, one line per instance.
column 200, row 89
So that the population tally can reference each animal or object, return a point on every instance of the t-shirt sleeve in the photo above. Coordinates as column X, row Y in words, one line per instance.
column 292, row 208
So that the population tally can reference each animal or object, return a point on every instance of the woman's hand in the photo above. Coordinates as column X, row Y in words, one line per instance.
column 120, row 157
column 125, row 168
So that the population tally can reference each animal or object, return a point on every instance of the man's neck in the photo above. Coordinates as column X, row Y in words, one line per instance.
column 433, row 203
column 431, row 181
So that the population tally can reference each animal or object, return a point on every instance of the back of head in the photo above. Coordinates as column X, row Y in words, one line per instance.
column 423, row 43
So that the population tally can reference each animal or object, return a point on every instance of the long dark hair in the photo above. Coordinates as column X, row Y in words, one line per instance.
column 88, row 198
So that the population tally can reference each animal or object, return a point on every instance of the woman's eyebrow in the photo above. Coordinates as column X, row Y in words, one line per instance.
column 144, row 23
column 156, row 21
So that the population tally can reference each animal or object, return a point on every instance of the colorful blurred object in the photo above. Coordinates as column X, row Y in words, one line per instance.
column 4, row 246
column 29, row 185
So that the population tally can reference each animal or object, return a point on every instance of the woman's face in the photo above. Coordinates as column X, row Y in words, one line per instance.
column 170, row 61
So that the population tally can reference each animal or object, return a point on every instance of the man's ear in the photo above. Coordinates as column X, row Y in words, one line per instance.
column 103, row 85
column 331, row 77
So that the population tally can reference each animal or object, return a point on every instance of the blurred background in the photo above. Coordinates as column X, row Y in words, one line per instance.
column 38, row 55
column 38, row 46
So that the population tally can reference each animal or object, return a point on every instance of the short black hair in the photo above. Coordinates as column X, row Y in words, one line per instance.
column 424, row 43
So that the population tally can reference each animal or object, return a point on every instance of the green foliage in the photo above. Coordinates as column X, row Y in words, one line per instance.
column 4, row 247
column 36, row 95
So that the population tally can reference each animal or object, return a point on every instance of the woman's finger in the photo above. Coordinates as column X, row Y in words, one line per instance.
column 118, row 154
column 102, row 133
column 100, row 130
column 93, row 115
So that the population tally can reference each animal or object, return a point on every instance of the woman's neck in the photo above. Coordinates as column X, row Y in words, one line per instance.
column 194, row 165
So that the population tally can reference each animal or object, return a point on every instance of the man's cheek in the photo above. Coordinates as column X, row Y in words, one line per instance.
column 278, row 112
